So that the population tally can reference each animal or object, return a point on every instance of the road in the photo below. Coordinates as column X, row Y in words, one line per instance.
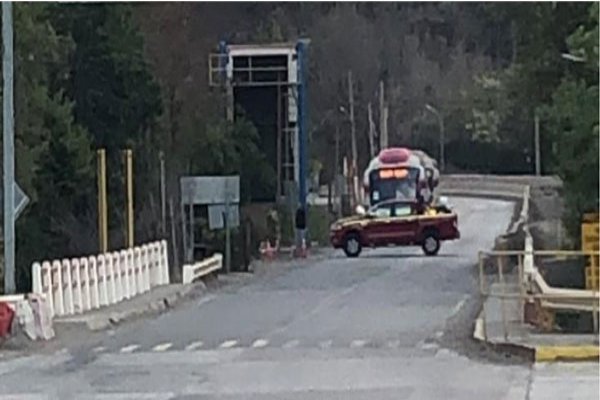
column 336, row 328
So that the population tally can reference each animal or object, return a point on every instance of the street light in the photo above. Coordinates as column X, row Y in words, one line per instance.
column 435, row 112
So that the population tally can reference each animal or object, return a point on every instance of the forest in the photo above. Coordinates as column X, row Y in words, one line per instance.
column 125, row 75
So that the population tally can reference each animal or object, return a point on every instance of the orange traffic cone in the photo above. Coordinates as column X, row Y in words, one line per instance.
column 269, row 250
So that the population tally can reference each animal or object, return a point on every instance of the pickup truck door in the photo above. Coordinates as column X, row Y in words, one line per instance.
column 405, row 224
column 377, row 228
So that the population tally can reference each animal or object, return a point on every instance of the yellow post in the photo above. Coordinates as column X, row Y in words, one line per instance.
column 129, row 194
column 102, row 204
column 522, row 291
column 502, row 294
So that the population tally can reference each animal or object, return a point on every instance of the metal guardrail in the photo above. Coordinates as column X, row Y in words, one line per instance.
column 531, row 287
column 192, row 272
column 73, row 286
column 503, row 186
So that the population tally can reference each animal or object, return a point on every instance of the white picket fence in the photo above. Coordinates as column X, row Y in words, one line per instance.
column 192, row 272
column 82, row 284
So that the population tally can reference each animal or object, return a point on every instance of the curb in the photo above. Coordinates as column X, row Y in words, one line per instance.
column 566, row 353
column 581, row 353
column 153, row 307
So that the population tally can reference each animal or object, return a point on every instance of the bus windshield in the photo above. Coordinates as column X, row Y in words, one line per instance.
column 386, row 185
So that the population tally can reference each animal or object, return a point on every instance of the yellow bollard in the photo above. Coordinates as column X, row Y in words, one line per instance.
column 102, row 206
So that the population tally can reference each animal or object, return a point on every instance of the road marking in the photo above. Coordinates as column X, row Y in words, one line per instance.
column 24, row 396
column 129, row 349
column 324, row 303
column 393, row 344
column 228, row 344
column 126, row 396
column 358, row 343
column 326, row 344
column 162, row 346
column 459, row 305
column 260, row 343
column 291, row 344
column 194, row 345
column 99, row 349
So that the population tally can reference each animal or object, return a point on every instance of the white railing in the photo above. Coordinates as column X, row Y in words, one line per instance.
column 202, row 268
column 76, row 285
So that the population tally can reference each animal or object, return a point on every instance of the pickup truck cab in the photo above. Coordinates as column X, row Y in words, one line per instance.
column 396, row 222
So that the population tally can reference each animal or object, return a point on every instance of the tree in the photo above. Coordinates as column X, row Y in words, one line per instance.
column 573, row 122
column 115, row 96
column 53, row 153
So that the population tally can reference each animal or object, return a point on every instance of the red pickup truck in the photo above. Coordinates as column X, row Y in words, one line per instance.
column 400, row 223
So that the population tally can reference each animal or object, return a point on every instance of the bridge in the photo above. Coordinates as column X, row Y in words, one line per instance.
column 323, row 327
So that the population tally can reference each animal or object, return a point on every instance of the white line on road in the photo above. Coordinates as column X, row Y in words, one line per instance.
column 129, row 349
column 393, row 344
column 326, row 344
column 358, row 343
column 328, row 301
column 194, row 345
column 291, row 344
column 162, row 346
column 99, row 349
column 260, row 343
column 228, row 344
column 459, row 305
column 126, row 396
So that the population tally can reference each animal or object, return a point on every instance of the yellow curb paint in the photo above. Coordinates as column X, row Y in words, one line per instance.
column 553, row 353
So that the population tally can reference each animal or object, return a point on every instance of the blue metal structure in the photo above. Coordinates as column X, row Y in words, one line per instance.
column 301, row 50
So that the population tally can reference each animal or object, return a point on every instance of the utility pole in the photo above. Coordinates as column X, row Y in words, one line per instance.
column 383, row 132
column 353, row 135
column 163, row 195
column 442, row 143
column 336, row 169
column 538, row 161
column 372, row 149
column 8, row 149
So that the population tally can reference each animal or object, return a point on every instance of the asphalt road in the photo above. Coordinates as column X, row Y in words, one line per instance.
column 338, row 328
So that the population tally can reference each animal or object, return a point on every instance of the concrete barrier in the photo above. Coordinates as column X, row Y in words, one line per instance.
column 73, row 286
column 191, row 272
column 501, row 186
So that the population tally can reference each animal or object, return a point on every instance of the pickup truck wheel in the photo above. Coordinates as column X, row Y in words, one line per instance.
column 352, row 246
column 431, row 244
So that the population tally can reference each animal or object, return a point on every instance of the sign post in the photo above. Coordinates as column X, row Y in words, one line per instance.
column 8, row 148
column 221, row 195
column 227, row 237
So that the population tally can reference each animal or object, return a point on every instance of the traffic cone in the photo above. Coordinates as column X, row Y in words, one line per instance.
column 269, row 251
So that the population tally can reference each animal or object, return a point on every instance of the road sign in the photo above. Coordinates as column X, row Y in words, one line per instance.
column 216, row 216
column 205, row 190
column 21, row 200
